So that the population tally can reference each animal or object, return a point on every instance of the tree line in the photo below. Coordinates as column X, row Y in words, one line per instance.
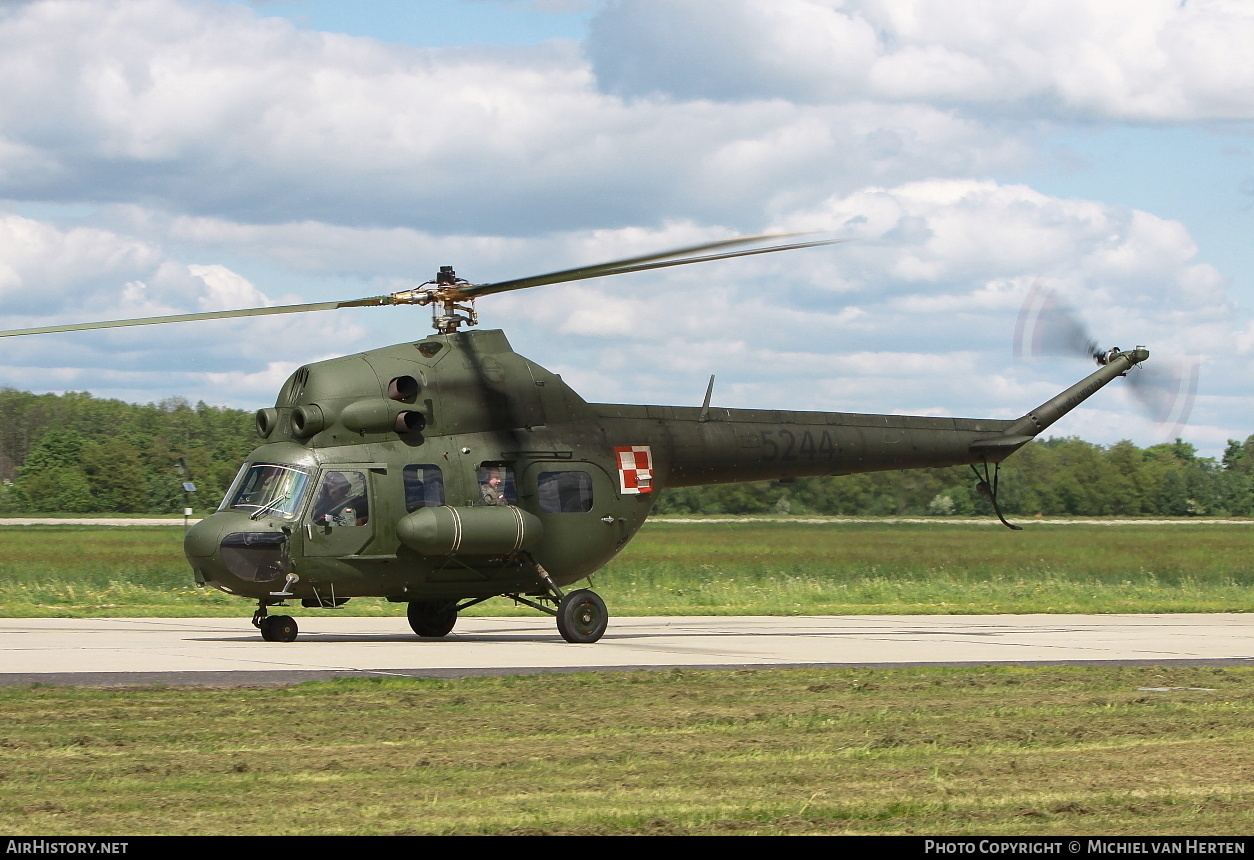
column 1051, row 477
column 74, row 453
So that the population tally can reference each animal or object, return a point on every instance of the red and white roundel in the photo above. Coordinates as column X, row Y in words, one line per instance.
column 635, row 469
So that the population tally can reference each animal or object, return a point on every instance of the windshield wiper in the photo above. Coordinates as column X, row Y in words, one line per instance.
column 273, row 503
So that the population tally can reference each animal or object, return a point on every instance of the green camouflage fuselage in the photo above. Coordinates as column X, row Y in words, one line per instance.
column 482, row 407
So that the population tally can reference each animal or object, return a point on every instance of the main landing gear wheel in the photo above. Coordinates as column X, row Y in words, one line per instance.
column 279, row 628
column 432, row 618
column 582, row 617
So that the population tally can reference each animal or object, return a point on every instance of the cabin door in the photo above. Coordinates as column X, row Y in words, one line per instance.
column 340, row 520
column 578, row 504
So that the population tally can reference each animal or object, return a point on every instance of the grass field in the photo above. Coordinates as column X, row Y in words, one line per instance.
column 771, row 568
column 934, row 751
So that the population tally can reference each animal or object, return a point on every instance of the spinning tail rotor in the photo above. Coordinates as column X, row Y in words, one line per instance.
column 1165, row 388
column 1046, row 326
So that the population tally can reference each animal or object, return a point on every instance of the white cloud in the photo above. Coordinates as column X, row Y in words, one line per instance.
column 260, row 386
column 53, row 276
column 224, row 159
column 225, row 290
column 921, row 317
column 206, row 109
column 1157, row 60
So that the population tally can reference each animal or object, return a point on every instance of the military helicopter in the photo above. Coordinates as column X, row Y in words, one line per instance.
column 450, row 470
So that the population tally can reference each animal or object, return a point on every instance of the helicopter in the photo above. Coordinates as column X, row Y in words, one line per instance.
column 450, row 470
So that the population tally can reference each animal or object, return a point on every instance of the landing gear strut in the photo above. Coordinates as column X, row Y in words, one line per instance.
column 275, row 628
column 581, row 614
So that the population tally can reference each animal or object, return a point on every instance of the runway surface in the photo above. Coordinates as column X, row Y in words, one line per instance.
column 220, row 651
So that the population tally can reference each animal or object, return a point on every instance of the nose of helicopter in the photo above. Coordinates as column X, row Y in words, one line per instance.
column 202, row 539
column 228, row 548
column 200, row 545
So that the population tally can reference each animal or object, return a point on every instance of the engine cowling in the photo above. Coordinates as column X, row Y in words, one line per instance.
column 377, row 415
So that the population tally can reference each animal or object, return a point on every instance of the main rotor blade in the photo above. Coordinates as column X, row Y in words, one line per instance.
column 640, row 264
column 616, row 267
column 211, row 315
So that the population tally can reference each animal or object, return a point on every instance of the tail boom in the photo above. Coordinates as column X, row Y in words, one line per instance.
column 693, row 446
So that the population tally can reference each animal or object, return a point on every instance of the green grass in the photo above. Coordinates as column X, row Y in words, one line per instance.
column 842, row 568
column 723, row 568
column 988, row 751
column 944, row 751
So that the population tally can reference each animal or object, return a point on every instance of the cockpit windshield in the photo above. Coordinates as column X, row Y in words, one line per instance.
column 268, row 489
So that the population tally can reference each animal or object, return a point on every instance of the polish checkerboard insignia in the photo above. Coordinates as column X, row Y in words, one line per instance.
column 635, row 469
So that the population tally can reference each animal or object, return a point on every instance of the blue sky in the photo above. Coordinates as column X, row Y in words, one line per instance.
column 1199, row 175
column 449, row 23
column 165, row 156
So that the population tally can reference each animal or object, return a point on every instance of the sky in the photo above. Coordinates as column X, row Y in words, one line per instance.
column 175, row 156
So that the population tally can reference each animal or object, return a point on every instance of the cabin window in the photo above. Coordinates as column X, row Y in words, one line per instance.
column 565, row 492
column 341, row 499
column 424, row 486
column 496, row 484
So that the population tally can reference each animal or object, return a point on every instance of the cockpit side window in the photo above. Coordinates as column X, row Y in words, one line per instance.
column 341, row 499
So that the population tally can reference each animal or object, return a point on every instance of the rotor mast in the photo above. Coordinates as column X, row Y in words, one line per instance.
column 451, row 308
column 447, row 295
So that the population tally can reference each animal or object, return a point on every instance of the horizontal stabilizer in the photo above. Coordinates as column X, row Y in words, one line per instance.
column 999, row 444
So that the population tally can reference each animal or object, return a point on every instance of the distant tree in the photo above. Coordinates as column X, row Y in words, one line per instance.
column 115, row 476
column 1061, row 475
column 123, row 457
column 59, row 490
column 118, row 456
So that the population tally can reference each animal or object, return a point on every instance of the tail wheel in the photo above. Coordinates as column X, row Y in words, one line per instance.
column 279, row 628
column 582, row 617
column 432, row 618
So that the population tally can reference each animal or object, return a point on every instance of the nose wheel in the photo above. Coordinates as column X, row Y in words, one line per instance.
column 275, row 628
column 279, row 628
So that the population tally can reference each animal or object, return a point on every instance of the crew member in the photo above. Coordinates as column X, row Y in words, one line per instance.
column 490, row 491
column 337, row 506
